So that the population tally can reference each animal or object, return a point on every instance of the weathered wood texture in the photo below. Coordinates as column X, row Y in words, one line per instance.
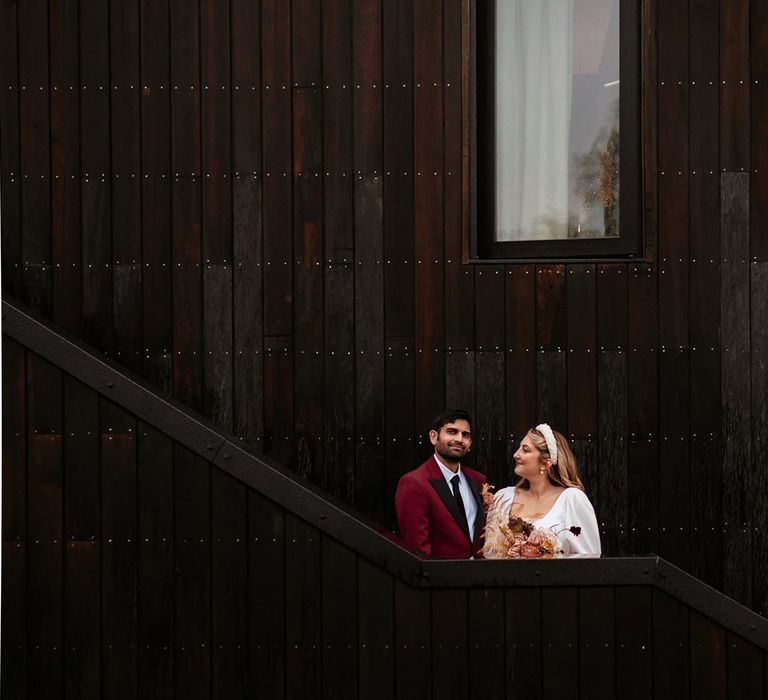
column 258, row 205
column 132, row 564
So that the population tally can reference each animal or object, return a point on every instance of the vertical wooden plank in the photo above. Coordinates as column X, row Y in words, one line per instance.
column 229, row 585
column 460, row 384
column 674, row 276
column 429, row 164
column 308, row 276
column 34, row 114
column 551, row 389
column 338, row 279
column 186, row 202
column 399, row 243
column 216, row 128
column 45, row 586
column 673, row 225
column 612, row 311
column 276, row 147
column 459, row 278
column 306, row 46
column 551, row 312
column 14, row 655
column 489, row 443
column 218, row 387
column 218, row 392
column 14, row 637
column 82, row 533
column 95, row 190
column 401, row 439
column 450, row 656
column 266, row 598
column 376, row 631
column 581, row 368
column 156, row 241
column 673, row 154
column 156, row 571
column 303, row 609
column 597, row 644
column 642, row 409
column 278, row 262
column 398, row 162
column 674, row 456
column 634, row 653
column 248, row 328
column 65, row 167
column 705, row 290
column 521, row 350
column 278, row 397
column 551, row 339
column 744, row 669
column 126, row 182
column 488, row 674
column 337, row 126
column 413, row 665
column 759, row 415
column 10, row 138
column 120, row 565
column 246, row 80
column 192, row 564
column 612, row 362
column 708, row 670
column 671, row 647
column 339, row 383
column 248, row 318
column 524, row 640
column 559, row 631
column 489, row 435
column 758, row 100
column 734, row 85
column 737, row 491
column 369, row 253
column 340, row 623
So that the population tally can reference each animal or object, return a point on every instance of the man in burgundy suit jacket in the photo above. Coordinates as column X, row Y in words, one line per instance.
column 438, row 513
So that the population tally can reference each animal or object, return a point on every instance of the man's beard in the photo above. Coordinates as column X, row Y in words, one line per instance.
column 449, row 456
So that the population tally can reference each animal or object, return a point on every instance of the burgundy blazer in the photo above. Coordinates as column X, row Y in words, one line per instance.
column 429, row 515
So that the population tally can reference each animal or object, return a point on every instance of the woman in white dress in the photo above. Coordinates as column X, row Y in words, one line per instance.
column 547, row 498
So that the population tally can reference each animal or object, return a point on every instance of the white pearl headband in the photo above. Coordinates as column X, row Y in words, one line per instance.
column 549, row 438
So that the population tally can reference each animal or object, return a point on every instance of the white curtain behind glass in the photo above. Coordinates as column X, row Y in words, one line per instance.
column 533, row 105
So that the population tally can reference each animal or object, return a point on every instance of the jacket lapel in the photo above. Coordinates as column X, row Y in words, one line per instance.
column 441, row 486
column 438, row 482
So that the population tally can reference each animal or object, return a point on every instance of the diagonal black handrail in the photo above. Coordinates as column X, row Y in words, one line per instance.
column 337, row 519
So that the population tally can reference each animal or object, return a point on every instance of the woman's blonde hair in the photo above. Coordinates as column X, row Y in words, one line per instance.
column 565, row 473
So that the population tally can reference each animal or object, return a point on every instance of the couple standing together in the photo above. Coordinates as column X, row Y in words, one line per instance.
column 445, row 509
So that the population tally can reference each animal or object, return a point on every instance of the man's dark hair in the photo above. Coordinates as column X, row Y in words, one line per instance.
column 449, row 416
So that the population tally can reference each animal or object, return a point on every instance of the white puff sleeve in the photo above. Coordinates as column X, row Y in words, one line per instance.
column 578, row 511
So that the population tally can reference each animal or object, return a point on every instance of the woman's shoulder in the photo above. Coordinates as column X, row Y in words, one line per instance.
column 575, row 495
column 505, row 494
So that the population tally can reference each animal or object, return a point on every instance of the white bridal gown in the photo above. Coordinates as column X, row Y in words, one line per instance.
column 572, row 508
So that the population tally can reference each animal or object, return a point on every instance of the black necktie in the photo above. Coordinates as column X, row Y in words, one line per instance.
column 460, row 503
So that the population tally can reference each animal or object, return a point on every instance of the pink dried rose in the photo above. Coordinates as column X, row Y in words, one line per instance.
column 529, row 550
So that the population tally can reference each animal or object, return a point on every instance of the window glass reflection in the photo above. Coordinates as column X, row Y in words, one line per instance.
column 557, row 119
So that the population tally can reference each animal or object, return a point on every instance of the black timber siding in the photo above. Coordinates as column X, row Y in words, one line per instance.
column 258, row 206
column 146, row 554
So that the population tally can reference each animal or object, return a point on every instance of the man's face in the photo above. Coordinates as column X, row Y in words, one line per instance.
column 452, row 441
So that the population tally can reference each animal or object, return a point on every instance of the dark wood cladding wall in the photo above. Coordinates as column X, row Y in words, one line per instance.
column 133, row 567
column 257, row 204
